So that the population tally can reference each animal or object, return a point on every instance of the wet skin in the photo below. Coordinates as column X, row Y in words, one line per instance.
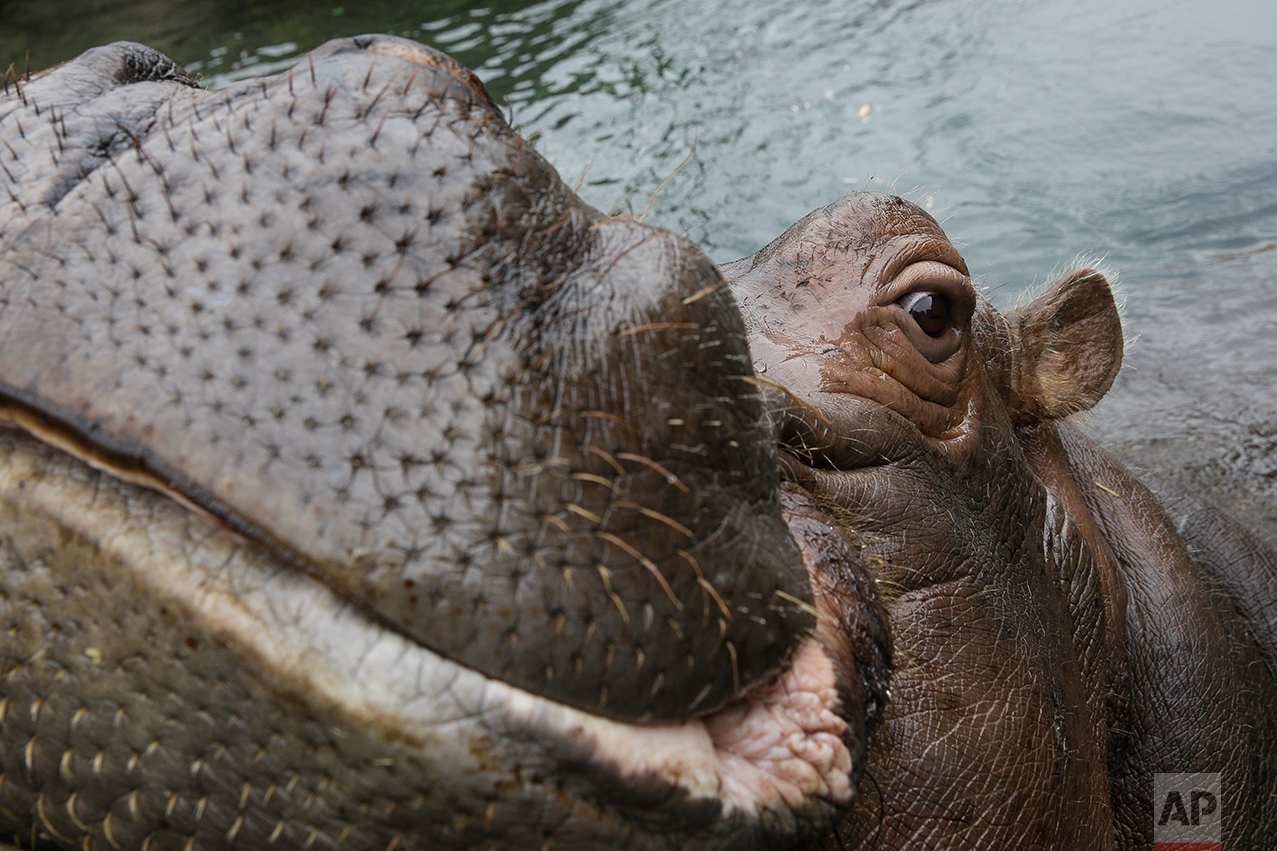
column 1058, row 639
column 364, row 488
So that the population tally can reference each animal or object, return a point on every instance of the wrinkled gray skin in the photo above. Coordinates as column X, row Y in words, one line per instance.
column 362, row 488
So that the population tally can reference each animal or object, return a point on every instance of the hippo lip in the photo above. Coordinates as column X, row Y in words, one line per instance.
column 780, row 761
column 780, row 757
column 783, row 759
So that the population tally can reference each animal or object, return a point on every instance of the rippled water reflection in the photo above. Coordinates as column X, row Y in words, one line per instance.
column 1145, row 132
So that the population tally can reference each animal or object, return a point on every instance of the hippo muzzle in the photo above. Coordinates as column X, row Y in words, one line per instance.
column 363, row 488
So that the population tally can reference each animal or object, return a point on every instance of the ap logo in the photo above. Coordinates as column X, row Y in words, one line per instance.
column 1187, row 812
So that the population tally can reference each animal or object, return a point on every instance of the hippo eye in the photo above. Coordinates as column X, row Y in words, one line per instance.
column 932, row 311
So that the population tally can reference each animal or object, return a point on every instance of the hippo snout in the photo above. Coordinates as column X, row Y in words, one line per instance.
column 394, row 495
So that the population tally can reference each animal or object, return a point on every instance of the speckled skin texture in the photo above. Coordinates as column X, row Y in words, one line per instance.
column 347, row 312
column 347, row 454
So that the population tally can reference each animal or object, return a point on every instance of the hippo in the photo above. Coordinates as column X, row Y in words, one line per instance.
column 364, row 488
column 1060, row 635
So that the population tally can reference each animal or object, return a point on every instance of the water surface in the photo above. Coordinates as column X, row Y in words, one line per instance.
column 1144, row 132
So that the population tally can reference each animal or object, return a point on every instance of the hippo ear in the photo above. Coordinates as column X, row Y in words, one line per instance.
column 1070, row 346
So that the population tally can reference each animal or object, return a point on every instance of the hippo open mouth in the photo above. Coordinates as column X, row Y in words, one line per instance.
column 368, row 489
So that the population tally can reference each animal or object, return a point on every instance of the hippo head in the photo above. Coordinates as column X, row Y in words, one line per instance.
column 362, row 488
column 924, row 423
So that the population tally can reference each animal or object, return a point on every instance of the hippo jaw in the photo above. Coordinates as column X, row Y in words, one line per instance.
column 252, row 644
column 383, row 715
